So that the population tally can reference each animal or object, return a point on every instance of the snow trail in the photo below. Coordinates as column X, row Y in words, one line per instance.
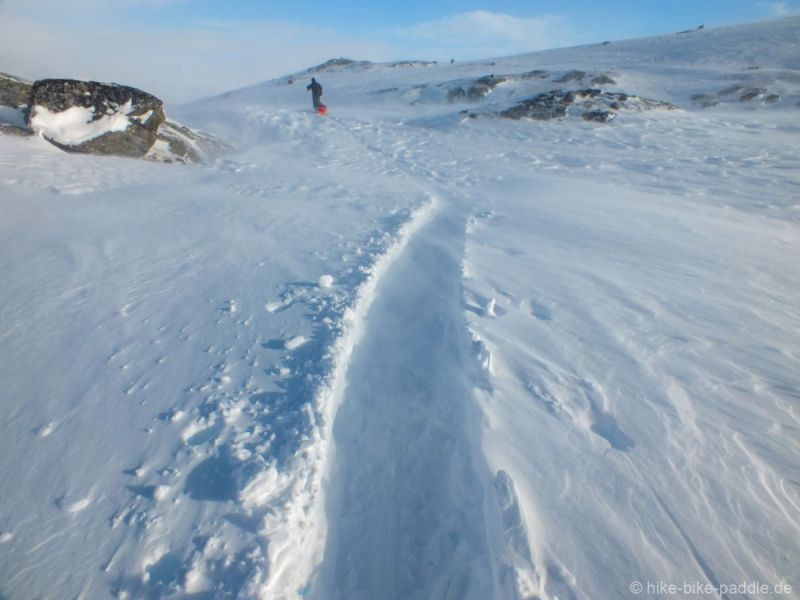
column 406, row 498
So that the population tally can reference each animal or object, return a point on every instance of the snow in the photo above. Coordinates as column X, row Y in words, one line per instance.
column 77, row 124
column 398, row 352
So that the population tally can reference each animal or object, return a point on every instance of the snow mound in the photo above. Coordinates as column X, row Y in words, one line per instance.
column 77, row 124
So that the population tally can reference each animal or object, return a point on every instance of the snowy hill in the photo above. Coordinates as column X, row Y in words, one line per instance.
column 416, row 349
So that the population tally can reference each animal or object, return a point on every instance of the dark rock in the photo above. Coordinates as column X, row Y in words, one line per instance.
column 477, row 90
column 13, row 92
column 483, row 86
column 617, row 96
column 535, row 74
column 597, row 116
column 413, row 63
column 594, row 93
column 145, row 113
column 648, row 104
column 752, row 93
column 731, row 89
column 772, row 98
column 593, row 105
column 490, row 81
column 606, row 43
column 338, row 62
column 550, row 105
column 456, row 94
column 571, row 76
column 705, row 100
column 602, row 79
column 6, row 129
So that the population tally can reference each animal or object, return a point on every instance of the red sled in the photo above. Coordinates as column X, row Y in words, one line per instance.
column 322, row 109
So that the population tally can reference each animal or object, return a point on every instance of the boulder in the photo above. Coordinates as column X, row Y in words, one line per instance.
column 95, row 118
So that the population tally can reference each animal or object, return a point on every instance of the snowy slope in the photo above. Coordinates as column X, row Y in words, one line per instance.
column 399, row 352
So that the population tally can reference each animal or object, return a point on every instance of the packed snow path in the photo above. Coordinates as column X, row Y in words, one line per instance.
column 405, row 507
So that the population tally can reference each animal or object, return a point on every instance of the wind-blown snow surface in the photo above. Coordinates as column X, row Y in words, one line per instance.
column 399, row 353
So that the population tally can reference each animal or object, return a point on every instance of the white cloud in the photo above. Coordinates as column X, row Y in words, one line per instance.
column 177, row 65
column 84, row 39
column 781, row 9
column 481, row 34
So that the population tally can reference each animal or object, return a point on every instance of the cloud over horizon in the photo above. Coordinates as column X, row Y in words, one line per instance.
column 191, row 60
column 484, row 34
column 782, row 9
column 178, row 65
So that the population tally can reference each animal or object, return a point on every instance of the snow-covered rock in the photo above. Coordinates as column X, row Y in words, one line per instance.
column 592, row 104
column 181, row 144
column 95, row 118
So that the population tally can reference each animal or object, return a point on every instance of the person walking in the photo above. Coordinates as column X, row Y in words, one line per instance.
column 316, row 92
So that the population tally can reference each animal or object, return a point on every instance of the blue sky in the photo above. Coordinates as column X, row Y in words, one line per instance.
column 185, row 49
column 630, row 17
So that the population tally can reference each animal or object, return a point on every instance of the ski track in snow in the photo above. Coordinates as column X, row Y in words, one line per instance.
column 443, row 359
column 405, row 503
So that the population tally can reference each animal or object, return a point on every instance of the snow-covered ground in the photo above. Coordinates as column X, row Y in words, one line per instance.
column 398, row 352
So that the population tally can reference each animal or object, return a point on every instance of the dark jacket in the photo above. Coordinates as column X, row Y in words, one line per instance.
column 316, row 91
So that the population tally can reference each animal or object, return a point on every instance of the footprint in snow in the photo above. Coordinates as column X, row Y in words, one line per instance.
column 540, row 311
column 229, row 306
column 492, row 310
column 289, row 344
column 45, row 429
column 72, row 504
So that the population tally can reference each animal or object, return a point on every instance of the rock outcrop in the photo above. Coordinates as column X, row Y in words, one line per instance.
column 14, row 92
column 477, row 90
column 96, row 118
column 543, row 107
column 590, row 103
column 764, row 90
column 177, row 143
column 339, row 63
